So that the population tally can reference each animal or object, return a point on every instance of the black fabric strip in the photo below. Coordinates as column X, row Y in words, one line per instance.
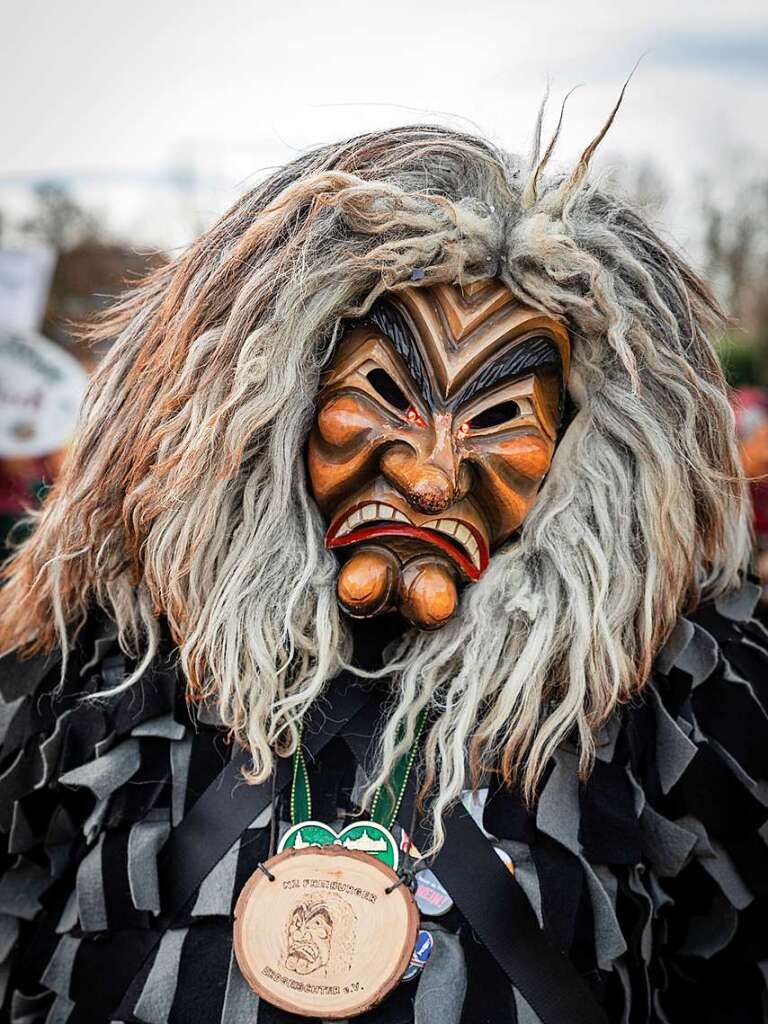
column 499, row 913
column 228, row 805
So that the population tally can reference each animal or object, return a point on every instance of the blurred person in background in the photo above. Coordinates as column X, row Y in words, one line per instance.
column 751, row 410
column 23, row 483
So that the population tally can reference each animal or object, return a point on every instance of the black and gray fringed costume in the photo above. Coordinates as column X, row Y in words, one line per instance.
column 652, row 876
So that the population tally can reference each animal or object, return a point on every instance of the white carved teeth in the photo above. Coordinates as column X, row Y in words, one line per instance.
column 369, row 513
column 459, row 532
column 375, row 511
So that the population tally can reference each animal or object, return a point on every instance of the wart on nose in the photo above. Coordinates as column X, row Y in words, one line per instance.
column 432, row 491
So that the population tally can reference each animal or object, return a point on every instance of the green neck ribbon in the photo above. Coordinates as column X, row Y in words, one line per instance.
column 386, row 800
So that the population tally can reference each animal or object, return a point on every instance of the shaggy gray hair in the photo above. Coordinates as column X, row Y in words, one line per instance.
column 186, row 494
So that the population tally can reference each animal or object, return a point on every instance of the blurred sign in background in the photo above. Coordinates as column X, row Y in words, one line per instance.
column 25, row 277
column 41, row 387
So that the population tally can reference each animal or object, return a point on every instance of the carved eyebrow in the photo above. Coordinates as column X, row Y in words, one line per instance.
column 533, row 354
column 389, row 321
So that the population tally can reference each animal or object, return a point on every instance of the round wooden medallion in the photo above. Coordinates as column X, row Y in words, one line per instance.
column 324, row 939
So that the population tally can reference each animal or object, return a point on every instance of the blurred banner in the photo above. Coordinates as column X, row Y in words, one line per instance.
column 41, row 387
column 25, row 277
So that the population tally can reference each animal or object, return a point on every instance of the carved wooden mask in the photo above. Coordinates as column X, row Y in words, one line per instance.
column 436, row 424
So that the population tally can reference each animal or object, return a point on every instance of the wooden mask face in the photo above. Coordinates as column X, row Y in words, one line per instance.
column 436, row 424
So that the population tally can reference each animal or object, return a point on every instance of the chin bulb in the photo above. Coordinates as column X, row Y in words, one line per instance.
column 367, row 582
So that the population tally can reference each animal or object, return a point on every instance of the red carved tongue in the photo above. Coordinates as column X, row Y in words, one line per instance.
column 465, row 546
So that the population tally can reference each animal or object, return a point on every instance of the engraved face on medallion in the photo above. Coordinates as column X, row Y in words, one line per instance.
column 326, row 932
column 436, row 425
column 320, row 934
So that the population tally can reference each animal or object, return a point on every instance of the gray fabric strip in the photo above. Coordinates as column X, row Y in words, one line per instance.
column 607, row 737
column 9, row 930
column 208, row 714
column 91, row 908
column 558, row 813
column 443, row 982
column 68, row 918
column 156, row 999
column 144, row 841
column 7, row 711
column 757, row 787
column 739, row 604
column 61, row 1011
column 5, row 977
column 30, row 1009
column 92, row 824
column 667, row 845
column 263, row 819
column 637, row 886
column 609, row 940
column 22, row 838
column 724, row 872
column 240, row 1001
column 21, row 887
column 51, row 747
column 104, row 746
column 700, row 656
column 164, row 727
column 106, row 774
column 101, row 649
column 525, row 873
column 525, row 1014
column 674, row 749
column 678, row 640
column 215, row 893
column 57, row 976
column 181, row 753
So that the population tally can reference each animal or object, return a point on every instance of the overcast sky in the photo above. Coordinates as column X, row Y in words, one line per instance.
column 121, row 100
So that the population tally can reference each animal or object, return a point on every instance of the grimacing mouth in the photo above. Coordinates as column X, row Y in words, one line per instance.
column 366, row 520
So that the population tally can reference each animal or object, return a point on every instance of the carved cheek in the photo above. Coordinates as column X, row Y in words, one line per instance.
column 528, row 455
column 344, row 421
column 511, row 471
column 342, row 450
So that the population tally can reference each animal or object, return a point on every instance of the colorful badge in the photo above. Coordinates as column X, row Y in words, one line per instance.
column 362, row 836
column 421, row 953
column 431, row 896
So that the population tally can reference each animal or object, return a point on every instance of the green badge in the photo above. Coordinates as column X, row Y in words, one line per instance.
column 363, row 836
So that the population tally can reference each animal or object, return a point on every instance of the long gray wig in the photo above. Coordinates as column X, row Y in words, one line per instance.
column 185, row 496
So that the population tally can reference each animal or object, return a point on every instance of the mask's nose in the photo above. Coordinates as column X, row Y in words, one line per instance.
column 430, row 474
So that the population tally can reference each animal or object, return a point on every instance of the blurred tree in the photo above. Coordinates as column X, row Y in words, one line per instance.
column 58, row 221
column 643, row 184
column 735, row 233
column 87, row 278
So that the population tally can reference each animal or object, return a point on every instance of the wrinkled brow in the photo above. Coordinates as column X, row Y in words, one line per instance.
column 390, row 322
column 532, row 354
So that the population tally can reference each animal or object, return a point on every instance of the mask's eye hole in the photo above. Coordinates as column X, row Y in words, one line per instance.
column 389, row 391
column 495, row 415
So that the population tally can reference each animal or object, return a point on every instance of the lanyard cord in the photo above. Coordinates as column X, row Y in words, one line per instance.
column 386, row 800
